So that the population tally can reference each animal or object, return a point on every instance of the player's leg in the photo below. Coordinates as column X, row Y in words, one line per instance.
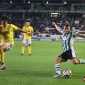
column 81, row 61
column 78, row 61
column 0, row 58
column 73, row 58
column 3, row 66
column 26, row 43
column 62, row 58
column 29, row 47
column 57, row 65
column 5, row 47
column 75, row 61
column 23, row 46
column 2, row 47
column 0, row 55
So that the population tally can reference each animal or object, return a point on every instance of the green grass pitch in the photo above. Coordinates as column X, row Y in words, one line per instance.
column 39, row 69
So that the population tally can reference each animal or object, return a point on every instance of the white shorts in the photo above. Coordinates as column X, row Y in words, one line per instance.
column 26, row 41
column 9, row 46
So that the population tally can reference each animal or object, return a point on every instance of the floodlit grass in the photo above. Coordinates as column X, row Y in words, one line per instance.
column 38, row 69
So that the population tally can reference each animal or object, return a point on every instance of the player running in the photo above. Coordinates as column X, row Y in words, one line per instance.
column 27, row 38
column 67, row 47
column 7, row 33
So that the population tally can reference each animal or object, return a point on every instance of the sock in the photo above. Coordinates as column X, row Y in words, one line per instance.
column 2, row 57
column 82, row 61
column 23, row 48
column 29, row 49
column 57, row 68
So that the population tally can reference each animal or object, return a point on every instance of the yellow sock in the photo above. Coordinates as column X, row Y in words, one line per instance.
column 23, row 48
column 29, row 49
column 2, row 56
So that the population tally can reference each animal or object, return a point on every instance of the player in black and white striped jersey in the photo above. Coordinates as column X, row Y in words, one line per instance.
column 68, row 52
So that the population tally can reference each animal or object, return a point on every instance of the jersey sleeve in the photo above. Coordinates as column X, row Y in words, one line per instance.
column 61, row 31
column 75, row 33
column 14, row 27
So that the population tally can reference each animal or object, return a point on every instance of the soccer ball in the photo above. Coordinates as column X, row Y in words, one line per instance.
column 67, row 73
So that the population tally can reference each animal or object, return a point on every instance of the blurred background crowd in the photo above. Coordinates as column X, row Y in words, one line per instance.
column 39, row 12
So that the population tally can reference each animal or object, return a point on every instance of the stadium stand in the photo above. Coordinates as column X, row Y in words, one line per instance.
column 39, row 13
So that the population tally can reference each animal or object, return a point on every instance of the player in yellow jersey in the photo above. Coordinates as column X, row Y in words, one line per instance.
column 27, row 37
column 0, row 45
column 7, row 35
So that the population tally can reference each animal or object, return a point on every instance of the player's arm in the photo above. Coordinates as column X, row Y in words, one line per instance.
column 22, row 31
column 81, row 35
column 56, row 26
column 19, row 29
column 32, row 34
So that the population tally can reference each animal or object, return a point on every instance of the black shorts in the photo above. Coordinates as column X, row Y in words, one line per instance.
column 67, row 55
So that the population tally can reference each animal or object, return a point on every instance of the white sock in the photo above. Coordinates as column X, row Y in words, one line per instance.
column 57, row 68
column 82, row 61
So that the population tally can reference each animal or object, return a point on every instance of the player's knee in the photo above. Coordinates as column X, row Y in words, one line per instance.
column 23, row 44
column 29, row 44
column 75, row 63
column 58, row 60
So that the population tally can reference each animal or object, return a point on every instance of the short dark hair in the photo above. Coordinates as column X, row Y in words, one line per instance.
column 27, row 20
column 67, row 24
column 4, row 17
